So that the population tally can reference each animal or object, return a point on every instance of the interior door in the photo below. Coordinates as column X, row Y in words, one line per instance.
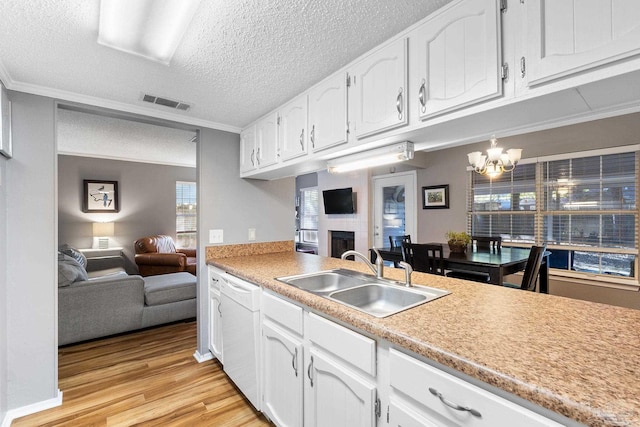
column 394, row 207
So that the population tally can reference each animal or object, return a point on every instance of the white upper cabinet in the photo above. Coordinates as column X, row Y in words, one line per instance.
column 458, row 55
column 248, row 149
column 328, row 124
column 379, row 89
column 267, row 141
column 292, row 132
column 566, row 36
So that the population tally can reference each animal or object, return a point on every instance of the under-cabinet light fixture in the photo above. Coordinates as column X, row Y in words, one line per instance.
column 389, row 154
column 148, row 28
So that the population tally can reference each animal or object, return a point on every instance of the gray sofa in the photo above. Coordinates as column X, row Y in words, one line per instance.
column 101, row 299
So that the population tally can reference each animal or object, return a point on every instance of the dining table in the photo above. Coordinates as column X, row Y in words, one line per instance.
column 497, row 264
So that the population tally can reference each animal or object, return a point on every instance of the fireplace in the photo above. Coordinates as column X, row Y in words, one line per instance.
column 342, row 241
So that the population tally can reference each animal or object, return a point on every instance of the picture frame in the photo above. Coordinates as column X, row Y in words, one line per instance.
column 6, row 147
column 100, row 196
column 435, row 197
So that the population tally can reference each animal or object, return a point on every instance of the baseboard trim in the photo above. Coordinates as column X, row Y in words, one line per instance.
column 202, row 357
column 12, row 414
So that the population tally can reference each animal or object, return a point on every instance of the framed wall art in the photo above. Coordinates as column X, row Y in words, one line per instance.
column 435, row 197
column 6, row 148
column 100, row 196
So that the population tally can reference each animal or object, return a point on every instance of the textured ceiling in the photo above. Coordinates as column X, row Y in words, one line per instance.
column 86, row 134
column 238, row 60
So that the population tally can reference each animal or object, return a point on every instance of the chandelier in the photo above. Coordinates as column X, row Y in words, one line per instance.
column 495, row 161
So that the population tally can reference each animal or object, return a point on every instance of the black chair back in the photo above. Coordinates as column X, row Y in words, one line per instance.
column 426, row 258
column 396, row 241
column 533, row 268
column 487, row 243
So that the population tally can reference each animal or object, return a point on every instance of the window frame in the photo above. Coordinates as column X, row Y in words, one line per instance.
column 600, row 279
column 193, row 232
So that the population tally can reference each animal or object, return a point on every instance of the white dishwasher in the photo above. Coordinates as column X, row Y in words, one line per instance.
column 240, row 307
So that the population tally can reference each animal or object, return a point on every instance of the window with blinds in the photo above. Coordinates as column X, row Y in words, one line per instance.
column 582, row 206
column 186, row 214
column 309, row 208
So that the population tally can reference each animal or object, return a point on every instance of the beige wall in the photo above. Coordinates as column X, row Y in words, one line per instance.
column 448, row 167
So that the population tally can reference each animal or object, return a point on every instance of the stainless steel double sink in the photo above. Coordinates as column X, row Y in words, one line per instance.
column 375, row 296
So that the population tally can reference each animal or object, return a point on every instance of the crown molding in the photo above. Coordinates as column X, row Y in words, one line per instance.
column 63, row 95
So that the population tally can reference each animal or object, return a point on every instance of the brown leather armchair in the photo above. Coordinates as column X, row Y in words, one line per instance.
column 158, row 255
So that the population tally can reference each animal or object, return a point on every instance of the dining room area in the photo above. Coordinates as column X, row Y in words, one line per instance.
column 568, row 204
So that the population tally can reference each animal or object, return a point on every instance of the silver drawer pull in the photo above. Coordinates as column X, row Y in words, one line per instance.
column 422, row 96
column 309, row 371
column 454, row 405
column 399, row 104
column 294, row 361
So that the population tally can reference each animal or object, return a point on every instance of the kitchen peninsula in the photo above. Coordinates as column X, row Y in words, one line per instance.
column 571, row 357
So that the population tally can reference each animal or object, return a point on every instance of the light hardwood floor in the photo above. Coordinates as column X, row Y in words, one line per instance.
column 147, row 378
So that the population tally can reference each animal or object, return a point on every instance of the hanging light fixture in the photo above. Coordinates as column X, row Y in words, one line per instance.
column 495, row 161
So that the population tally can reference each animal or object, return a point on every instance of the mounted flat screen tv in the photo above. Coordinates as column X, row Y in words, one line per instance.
column 339, row 201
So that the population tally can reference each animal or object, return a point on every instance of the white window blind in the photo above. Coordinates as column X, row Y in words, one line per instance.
column 309, row 208
column 186, row 214
column 583, row 207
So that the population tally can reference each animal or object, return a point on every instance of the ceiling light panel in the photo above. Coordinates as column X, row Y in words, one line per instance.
column 148, row 28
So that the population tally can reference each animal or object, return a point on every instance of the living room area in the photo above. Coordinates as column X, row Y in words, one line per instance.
column 126, row 187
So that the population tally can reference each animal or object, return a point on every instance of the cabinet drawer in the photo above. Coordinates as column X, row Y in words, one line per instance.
column 420, row 381
column 348, row 345
column 282, row 312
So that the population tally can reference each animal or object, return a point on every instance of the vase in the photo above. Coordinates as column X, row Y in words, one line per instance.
column 457, row 248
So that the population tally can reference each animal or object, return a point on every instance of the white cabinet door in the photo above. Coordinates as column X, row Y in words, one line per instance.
column 292, row 132
column 283, row 376
column 379, row 90
column 458, row 57
column 328, row 124
column 248, row 161
column 267, row 141
column 566, row 36
column 335, row 396
column 215, row 325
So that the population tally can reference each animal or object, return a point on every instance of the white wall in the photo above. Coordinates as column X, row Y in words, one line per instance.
column 357, row 222
column 31, row 299
column 234, row 205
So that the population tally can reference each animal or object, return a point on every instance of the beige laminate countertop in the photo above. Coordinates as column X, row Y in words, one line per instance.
column 576, row 358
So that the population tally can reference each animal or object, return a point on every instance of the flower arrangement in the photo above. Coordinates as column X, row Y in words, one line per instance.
column 458, row 241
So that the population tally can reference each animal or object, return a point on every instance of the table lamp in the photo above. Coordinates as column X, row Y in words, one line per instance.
column 102, row 231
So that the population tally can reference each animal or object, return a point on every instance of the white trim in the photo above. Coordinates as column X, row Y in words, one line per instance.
column 126, row 159
column 600, row 282
column 202, row 357
column 22, row 411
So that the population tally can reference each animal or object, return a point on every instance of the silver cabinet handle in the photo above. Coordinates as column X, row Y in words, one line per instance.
column 258, row 156
column 309, row 371
column 422, row 96
column 454, row 405
column 313, row 136
column 253, row 155
column 302, row 140
column 399, row 104
column 294, row 361
column 219, row 307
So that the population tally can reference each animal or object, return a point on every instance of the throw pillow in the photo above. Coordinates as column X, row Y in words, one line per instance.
column 69, row 270
column 74, row 253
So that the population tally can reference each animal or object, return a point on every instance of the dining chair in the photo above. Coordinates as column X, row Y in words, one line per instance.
column 531, row 271
column 487, row 243
column 396, row 241
column 424, row 257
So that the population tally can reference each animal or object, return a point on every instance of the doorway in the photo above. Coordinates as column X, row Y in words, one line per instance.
column 394, row 206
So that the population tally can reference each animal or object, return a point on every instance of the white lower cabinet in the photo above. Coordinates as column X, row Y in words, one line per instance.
column 317, row 373
column 283, row 376
column 215, row 315
column 443, row 399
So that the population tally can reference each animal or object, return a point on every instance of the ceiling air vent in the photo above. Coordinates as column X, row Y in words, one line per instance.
column 178, row 105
